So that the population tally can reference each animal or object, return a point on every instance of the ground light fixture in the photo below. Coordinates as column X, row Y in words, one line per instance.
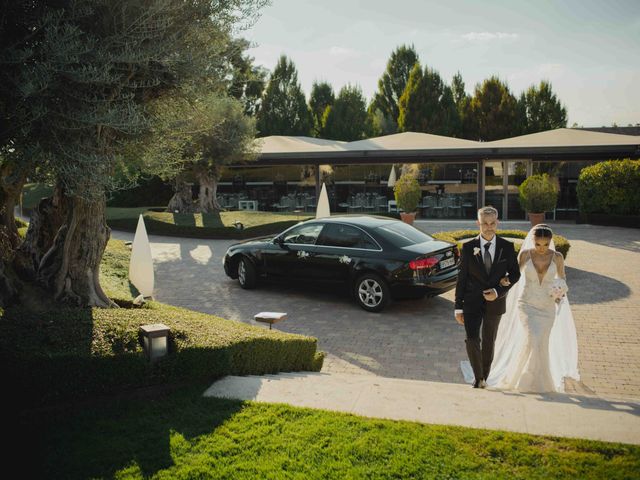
column 155, row 340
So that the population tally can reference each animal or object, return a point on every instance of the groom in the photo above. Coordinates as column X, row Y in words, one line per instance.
column 480, row 299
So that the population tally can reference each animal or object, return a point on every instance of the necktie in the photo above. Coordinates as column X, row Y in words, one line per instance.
column 487, row 257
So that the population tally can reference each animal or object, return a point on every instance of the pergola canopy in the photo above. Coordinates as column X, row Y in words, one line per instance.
column 559, row 144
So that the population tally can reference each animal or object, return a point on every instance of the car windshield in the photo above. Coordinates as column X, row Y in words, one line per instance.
column 401, row 234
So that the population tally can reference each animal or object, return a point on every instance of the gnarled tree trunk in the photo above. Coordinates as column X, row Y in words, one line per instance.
column 65, row 242
column 207, row 198
column 182, row 200
column 207, row 201
column 10, row 190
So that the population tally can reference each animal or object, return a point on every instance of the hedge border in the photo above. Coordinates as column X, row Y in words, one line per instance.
column 454, row 236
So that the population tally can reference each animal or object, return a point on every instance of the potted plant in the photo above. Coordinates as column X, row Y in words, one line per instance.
column 408, row 194
column 538, row 194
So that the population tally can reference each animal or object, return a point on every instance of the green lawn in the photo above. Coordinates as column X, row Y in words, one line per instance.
column 183, row 435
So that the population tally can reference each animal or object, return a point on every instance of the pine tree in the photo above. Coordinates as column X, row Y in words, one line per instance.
column 284, row 110
column 391, row 86
column 541, row 109
column 347, row 119
column 492, row 113
column 427, row 105
column 321, row 98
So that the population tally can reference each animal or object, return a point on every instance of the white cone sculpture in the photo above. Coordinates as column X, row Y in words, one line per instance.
column 392, row 177
column 323, row 210
column 141, row 264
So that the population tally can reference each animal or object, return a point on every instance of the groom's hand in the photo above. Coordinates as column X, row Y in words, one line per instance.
column 460, row 318
column 490, row 295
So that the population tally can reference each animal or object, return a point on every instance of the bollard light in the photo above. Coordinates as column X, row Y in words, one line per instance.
column 239, row 225
column 155, row 339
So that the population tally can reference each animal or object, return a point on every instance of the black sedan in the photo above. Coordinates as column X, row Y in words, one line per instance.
column 378, row 258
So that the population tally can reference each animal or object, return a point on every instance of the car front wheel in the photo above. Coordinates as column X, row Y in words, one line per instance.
column 372, row 292
column 246, row 274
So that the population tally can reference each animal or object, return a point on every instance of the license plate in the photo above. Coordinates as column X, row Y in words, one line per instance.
column 447, row 263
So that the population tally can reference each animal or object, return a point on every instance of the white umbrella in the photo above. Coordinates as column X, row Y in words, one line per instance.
column 323, row 210
column 392, row 177
column 141, row 264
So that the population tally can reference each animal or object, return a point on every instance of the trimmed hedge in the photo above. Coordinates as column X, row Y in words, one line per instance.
column 70, row 353
column 159, row 227
column 611, row 187
column 561, row 243
column 156, row 224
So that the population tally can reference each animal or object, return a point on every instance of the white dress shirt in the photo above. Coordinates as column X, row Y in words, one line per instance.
column 492, row 252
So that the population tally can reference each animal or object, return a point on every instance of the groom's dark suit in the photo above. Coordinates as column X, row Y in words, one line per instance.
column 473, row 279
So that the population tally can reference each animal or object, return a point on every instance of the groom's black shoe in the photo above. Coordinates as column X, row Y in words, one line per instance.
column 476, row 384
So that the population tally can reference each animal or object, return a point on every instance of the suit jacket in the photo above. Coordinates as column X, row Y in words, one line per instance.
column 473, row 278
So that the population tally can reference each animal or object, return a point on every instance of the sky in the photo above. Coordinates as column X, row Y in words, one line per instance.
column 588, row 49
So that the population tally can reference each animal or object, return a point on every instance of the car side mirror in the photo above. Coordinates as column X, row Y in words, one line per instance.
column 278, row 240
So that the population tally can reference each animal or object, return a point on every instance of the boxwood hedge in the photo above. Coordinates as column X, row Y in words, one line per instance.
column 562, row 244
column 611, row 187
column 51, row 356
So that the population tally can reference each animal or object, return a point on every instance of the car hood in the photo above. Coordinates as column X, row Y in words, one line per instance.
column 427, row 247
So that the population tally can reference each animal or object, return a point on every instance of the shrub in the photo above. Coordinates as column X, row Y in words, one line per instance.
column 561, row 243
column 407, row 193
column 538, row 194
column 610, row 187
column 72, row 352
column 149, row 191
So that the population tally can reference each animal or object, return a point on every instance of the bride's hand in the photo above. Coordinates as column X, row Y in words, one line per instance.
column 504, row 282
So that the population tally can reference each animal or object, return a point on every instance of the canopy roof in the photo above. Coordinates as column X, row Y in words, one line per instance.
column 566, row 137
column 282, row 144
column 559, row 144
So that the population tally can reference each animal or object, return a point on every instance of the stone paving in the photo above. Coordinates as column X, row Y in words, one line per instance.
column 419, row 339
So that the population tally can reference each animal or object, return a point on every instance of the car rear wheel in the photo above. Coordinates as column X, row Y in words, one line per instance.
column 246, row 274
column 372, row 292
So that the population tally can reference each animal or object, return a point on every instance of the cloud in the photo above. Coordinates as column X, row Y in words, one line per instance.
column 342, row 52
column 477, row 37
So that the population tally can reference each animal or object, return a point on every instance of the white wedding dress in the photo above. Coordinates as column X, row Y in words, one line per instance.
column 532, row 371
column 536, row 345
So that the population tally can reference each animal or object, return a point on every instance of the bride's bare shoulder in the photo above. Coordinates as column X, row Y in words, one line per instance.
column 558, row 257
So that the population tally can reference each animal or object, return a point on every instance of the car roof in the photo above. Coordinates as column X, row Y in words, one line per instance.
column 370, row 221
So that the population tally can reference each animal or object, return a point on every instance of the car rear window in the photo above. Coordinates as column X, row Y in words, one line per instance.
column 339, row 235
column 401, row 234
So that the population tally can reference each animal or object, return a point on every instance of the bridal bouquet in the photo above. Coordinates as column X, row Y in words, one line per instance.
column 558, row 289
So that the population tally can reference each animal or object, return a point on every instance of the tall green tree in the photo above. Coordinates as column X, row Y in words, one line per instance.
column 284, row 110
column 492, row 113
column 321, row 98
column 427, row 104
column 198, row 137
column 541, row 109
column 347, row 119
column 384, row 109
column 247, row 80
column 95, row 66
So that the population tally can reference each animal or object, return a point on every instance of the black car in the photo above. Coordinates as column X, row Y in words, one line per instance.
column 378, row 258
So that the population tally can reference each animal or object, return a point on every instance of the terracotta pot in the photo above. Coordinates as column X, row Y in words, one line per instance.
column 408, row 217
column 536, row 218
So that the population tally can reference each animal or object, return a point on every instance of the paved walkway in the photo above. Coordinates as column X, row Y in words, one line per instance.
column 418, row 339
column 443, row 403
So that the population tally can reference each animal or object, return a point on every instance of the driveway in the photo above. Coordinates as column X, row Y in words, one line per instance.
column 419, row 339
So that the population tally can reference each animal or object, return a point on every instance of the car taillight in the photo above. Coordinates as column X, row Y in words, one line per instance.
column 421, row 263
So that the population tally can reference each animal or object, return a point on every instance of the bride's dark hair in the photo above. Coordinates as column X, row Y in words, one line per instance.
column 542, row 230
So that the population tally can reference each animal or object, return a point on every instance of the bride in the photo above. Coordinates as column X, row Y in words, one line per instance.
column 536, row 344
